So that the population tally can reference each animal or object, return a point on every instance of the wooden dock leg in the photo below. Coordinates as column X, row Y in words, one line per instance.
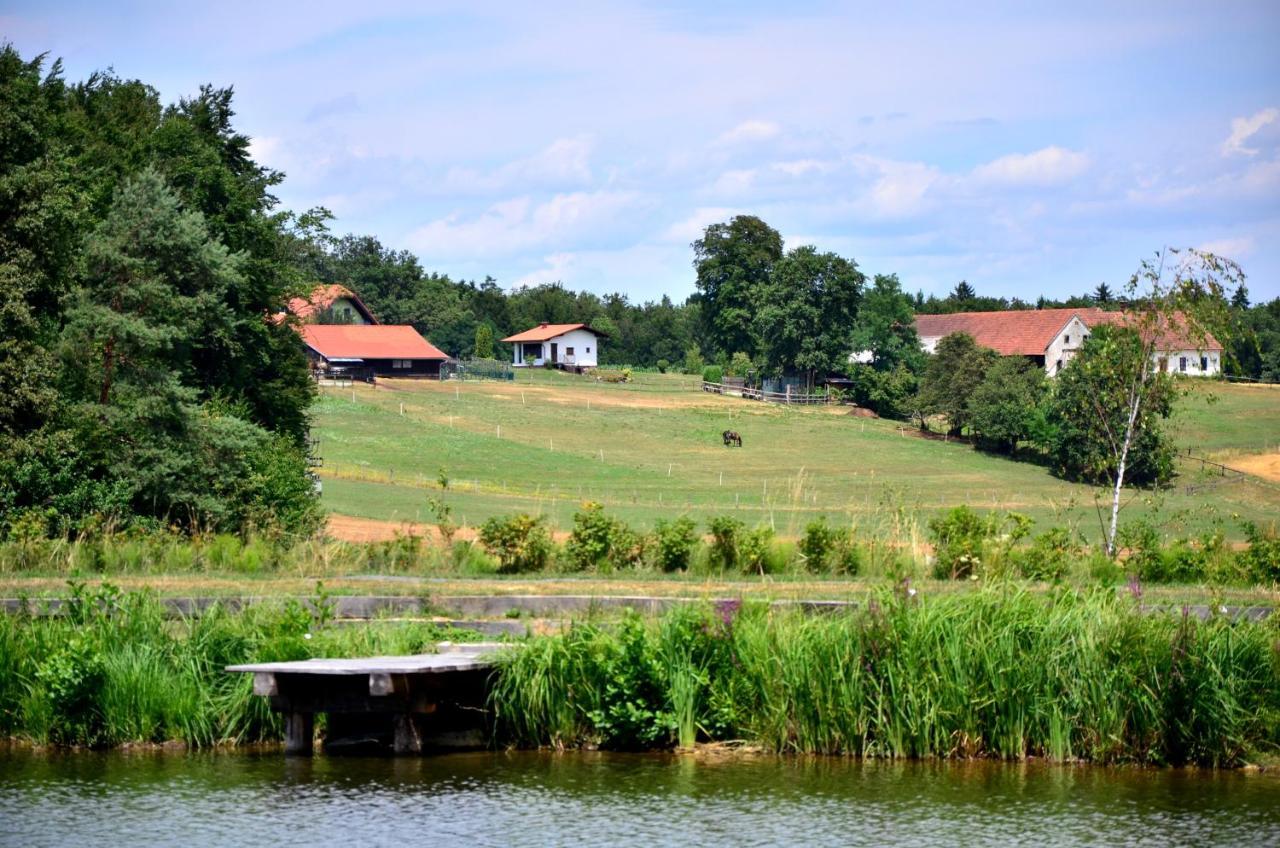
column 299, row 733
column 408, row 733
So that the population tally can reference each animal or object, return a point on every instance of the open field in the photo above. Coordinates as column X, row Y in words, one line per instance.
column 652, row 449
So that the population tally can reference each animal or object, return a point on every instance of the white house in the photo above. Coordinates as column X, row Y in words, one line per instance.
column 570, row 346
column 1051, row 337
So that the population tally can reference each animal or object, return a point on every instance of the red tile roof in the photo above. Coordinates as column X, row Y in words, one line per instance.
column 321, row 298
column 368, row 341
column 1172, row 334
column 1014, row 332
column 1029, row 332
column 543, row 332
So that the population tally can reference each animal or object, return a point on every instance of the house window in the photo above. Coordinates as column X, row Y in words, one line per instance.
column 1066, row 339
column 401, row 363
column 1204, row 363
column 588, row 350
column 568, row 351
column 1182, row 363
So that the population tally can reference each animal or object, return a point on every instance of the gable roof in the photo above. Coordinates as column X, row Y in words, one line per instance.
column 1011, row 332
column 1029, row 332
column 368, row 341
column 545, row 331
column 321, row 298
column 1172, row 333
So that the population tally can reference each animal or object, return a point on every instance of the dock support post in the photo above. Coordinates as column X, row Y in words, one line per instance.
column 408, row 733
column 299, row 733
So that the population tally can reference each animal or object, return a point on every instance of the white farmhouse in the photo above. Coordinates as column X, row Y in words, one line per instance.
column 1051, row 337
column 569, row 346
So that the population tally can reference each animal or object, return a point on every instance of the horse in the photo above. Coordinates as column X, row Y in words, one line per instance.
column 731, row 437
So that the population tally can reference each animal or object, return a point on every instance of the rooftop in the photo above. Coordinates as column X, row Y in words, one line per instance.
column 368, row 341
column 545, row 331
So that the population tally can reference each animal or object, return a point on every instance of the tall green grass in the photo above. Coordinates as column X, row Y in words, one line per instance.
column 998, row 673
column 116, row 670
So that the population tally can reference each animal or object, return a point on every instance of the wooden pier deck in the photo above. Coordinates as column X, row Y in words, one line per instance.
column 411, row 703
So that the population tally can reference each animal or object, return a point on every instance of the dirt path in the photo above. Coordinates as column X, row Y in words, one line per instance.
column 351, row 528
column 1264, row 465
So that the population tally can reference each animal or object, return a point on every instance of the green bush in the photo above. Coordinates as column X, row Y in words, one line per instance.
column 1048, row 556
column 756, row 553
column 674, row 542
column 1140, row 542
column 958, row 539
column 662, row 365
column 726, row 537
column 713, row 374
column 828, row 549
column 520, row 543
column 1261, row 560
column 600, row 540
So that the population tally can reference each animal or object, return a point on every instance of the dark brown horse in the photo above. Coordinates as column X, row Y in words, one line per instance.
column 731, row 437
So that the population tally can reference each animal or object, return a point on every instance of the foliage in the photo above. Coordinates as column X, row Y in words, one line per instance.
column 1090, row 410
column 139, row 254
column 1261, row 561
column 674, row 542
column 890, row 394
column 115, row 669
column 829, row 550
column 693, row 361
column 739, row 365
column 713, row 374
column 1049, row 555
column 805, row 313
column 734, row 261
column 886, row 328
column 1005, row 408
column 520, row 543
column 966, row 543
column 662, row 365
column 954, row 371
column 599, row 540
column 483, row 348
column 998, row 673
column 726, row 540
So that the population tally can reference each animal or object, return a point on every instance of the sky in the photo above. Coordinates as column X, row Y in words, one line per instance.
column 1035, row 149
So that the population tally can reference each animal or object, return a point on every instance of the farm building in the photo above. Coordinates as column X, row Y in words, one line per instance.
column 371, row 350
column 331, row 304
column 343, row 337
column 1051, row 337
column 570, row 346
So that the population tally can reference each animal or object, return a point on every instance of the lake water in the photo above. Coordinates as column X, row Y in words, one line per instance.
column 123, row 799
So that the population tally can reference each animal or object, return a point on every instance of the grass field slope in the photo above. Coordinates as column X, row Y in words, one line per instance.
column 650, row 449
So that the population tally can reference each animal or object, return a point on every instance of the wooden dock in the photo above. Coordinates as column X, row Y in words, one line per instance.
column 408, row 703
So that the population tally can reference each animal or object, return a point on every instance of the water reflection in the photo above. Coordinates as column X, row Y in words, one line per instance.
column 621, row 800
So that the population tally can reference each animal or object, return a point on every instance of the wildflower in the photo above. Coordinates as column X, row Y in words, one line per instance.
column 306, row 636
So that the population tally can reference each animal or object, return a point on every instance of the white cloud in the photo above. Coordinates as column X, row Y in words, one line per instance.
column 517, row 224
column 1046, row 167
column 691, row 228
column 1242, row 129
column 556, row 267
column 898, row 189
column 748, row 131
column 735, row 182
column 566, row 161
column 1230, row 248
column 800, row 167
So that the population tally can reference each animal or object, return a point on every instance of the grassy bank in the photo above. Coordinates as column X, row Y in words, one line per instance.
column 999, row 673
column 652, row 450
column 116, row 670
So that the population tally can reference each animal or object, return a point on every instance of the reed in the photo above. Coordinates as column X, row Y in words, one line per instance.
column 994, row 673
column 116, row 670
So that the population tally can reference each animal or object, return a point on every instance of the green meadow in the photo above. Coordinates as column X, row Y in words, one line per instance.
column 652, row 449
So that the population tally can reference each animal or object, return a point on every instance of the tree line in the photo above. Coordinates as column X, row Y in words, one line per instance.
column 140, row 249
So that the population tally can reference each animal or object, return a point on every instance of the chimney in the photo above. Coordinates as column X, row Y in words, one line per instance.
column 543, row 324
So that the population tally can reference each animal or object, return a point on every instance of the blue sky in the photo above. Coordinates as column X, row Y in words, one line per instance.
column 1029, row 151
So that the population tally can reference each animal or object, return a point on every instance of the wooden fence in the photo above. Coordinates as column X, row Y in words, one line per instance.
column 787, row 397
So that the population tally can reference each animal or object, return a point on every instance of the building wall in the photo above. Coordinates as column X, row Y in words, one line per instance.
column 343, row 308
column 586, row 350
column 1064, row 346
column 1172, row 362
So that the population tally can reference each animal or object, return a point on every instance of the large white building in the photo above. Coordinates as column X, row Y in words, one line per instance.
column 570, row 346
column 1050, row 337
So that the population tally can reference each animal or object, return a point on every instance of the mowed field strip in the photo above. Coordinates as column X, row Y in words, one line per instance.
column 652, row 449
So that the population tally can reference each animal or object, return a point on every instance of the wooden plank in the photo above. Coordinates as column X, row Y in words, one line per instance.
column 463, row 658
column 299, row 734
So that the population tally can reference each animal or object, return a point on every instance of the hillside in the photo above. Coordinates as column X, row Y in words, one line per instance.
column 652, row 449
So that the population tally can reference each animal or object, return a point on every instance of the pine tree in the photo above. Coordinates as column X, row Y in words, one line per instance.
column 1102, row 295
column 484, row 342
